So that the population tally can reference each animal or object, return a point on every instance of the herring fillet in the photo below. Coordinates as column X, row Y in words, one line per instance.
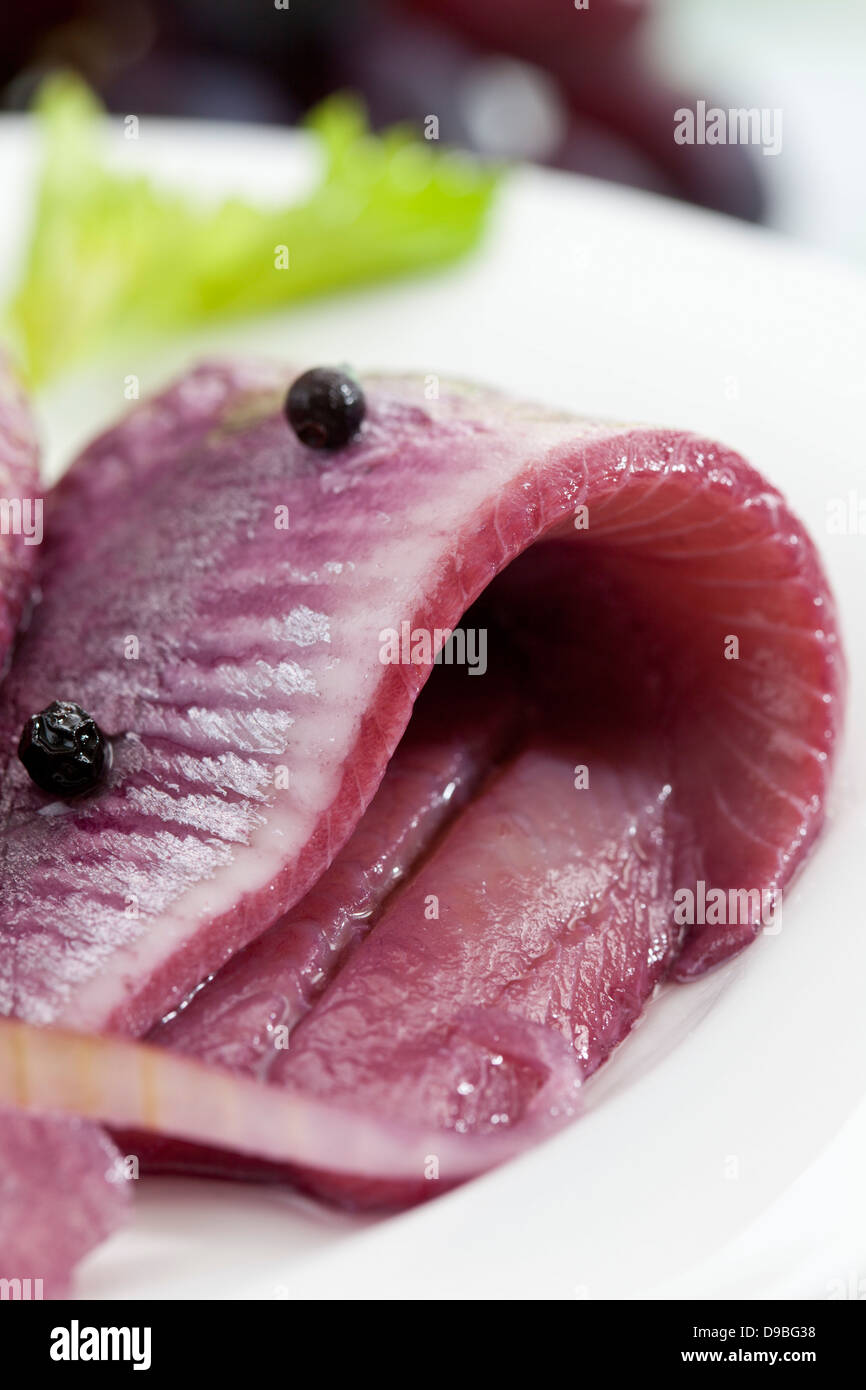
column 553, row 929
column 60, row 1192
column 217, row 646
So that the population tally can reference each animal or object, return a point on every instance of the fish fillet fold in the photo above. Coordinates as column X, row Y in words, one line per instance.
column 425, row 933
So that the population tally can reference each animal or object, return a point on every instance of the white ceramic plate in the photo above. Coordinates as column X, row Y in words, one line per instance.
column 722, row 1151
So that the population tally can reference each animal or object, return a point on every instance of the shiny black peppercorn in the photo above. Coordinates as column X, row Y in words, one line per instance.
column 63, row 749
column 325, row 408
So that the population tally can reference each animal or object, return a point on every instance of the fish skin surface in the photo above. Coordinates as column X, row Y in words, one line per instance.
column 59, row 1193
column 226, row 648
column 115, row 908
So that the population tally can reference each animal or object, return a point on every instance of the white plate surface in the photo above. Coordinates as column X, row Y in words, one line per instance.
column 722, row 1151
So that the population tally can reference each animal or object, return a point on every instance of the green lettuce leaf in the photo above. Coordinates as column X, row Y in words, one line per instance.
column 113, row 258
